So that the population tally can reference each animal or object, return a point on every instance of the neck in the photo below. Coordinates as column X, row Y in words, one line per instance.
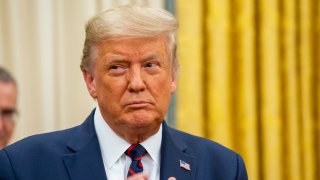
column 137, row 134
column 2, row 145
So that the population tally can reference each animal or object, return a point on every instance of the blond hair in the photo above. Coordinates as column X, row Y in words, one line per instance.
column 129, row 21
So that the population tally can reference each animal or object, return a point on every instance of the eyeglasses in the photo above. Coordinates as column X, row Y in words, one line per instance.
column 8, row 114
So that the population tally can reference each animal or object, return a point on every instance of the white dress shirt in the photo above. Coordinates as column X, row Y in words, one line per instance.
column 116, row 163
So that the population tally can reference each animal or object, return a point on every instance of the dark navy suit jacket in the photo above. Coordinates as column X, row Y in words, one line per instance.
column 75, row 154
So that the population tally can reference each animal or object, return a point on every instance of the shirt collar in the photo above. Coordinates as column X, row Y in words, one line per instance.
column 107, row 138
column 153, row 144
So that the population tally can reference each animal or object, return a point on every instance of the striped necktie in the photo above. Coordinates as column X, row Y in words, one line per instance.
column 135, row 152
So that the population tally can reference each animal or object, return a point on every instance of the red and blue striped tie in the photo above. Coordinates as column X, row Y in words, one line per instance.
column 135, row 152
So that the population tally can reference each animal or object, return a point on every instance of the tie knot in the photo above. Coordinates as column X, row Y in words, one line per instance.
column 135, row 152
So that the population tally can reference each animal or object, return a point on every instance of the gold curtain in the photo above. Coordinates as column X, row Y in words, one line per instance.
column 249, row 78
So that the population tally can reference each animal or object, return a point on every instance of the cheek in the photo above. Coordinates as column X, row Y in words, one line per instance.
column 110, row 88
column 9, row 128
column 161, row 89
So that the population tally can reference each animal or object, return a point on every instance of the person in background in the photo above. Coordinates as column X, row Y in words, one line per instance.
column 8, row 106
column 130, row 68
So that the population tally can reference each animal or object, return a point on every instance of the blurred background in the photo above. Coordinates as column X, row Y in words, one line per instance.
column 249, row 74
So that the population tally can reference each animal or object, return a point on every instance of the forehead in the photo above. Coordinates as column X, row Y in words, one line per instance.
column 7, row 88
column 130, row 45
column 8, row 94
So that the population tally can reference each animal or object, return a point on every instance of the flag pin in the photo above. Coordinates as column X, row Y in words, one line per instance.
column 185, row 165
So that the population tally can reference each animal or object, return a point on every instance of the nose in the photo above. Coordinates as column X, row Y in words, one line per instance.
column 136, row 81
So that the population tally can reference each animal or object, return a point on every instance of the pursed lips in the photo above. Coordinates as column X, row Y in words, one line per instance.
column 137, row 104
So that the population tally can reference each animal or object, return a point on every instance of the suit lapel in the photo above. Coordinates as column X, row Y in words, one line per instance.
column 173, row 150
column 84, row 160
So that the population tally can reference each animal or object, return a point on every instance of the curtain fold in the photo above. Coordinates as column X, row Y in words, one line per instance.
column 291, row 103
column 269, row 90
column 306, row 17
column 259, row 81
column 245, row 84
column 190, row 95
column 218, row 71
column 317, row 82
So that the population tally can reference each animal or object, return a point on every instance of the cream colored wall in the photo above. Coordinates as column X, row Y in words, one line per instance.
column 41, row 44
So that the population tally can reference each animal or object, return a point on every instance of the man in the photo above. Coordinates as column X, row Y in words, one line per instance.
column 8, row 106
column 129, row 66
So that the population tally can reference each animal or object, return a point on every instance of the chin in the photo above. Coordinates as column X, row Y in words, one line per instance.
column 143, row 119
column 141, row 122
column 144, row 122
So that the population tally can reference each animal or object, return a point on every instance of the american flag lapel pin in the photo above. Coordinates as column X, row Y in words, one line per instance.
column 185, row 165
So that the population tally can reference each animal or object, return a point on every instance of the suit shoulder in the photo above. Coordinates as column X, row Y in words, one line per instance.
column 196, row 144
column 215, row 161
column 50, row 140
column 207, row 151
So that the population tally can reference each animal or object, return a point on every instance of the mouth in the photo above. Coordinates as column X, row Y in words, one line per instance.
column 137, row 104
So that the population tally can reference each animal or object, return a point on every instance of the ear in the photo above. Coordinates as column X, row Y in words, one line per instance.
column 173, row 83
column 90, row 82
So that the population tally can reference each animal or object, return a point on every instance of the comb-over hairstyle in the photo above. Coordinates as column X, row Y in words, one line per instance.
column 6, row 77
column 129, row 21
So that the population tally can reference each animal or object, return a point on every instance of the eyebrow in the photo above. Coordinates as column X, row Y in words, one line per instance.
column 150, row 57
column 123, row 59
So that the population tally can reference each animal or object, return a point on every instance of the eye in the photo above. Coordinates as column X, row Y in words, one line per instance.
column 116, row 69
column 152, row 67
column 8, row 114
